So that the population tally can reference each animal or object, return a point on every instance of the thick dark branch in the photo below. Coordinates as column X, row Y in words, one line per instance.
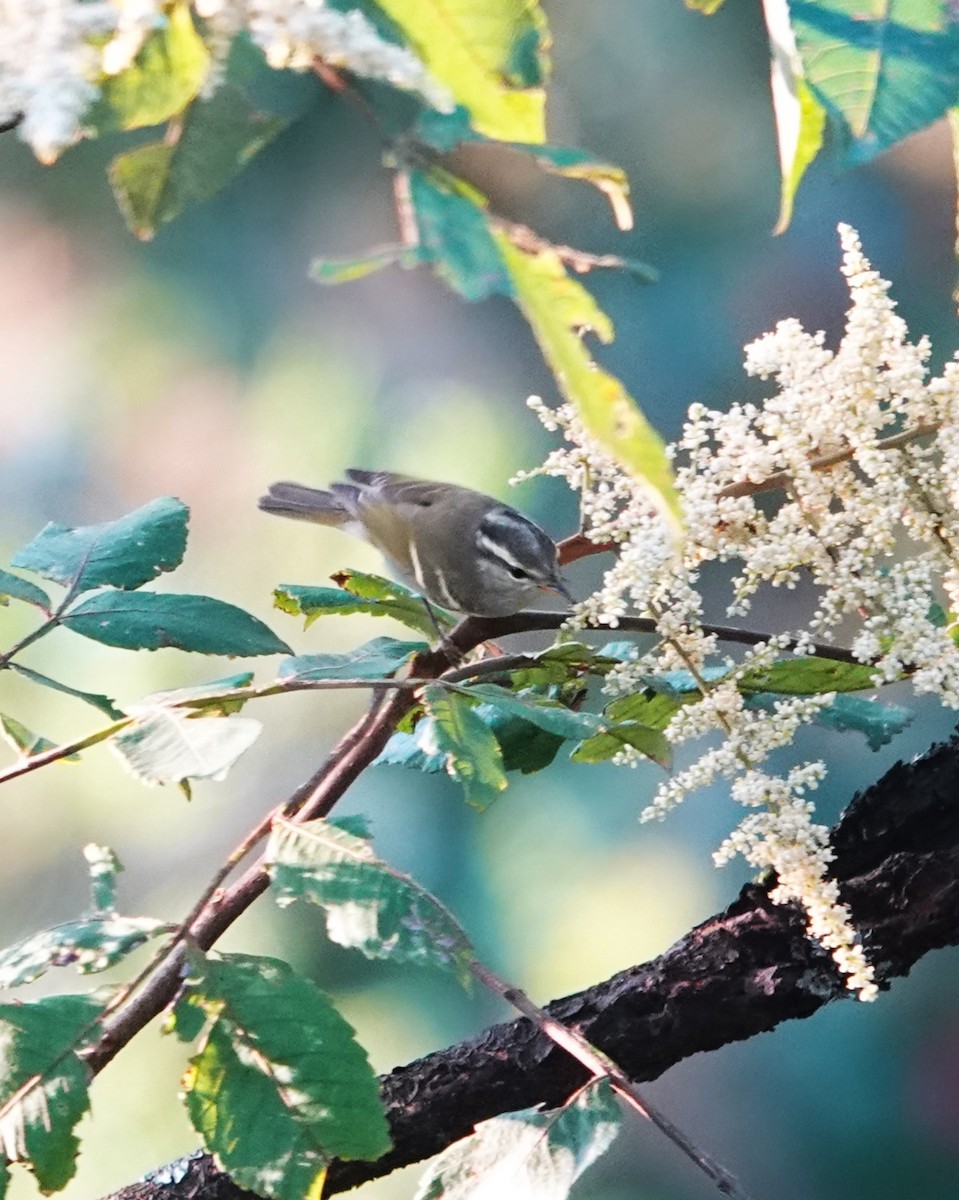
column 738, row 974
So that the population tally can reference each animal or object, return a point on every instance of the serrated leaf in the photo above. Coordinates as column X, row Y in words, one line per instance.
column 525, row 747
column 125, row 553
column 406, row 749
column 359, row 594
column 90, row 944
column 12, row 587
column 37, row 1129
column 104, row 867
column 280, row 1084
column 491, row 54
column 530, row 1154
column 151, row 621
column 103, row 703
column 809, row 677
column 648, row 707
column 453, row 234
column 168, row 745
column 375, row 659
column 217, row 137
column 473, row 756
column 800, row 118
column 369, row 906
column 559, row 310
column 881, row 68
column 164, row 77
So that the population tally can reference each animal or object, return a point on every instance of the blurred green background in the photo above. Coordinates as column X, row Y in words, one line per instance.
column 205, row 365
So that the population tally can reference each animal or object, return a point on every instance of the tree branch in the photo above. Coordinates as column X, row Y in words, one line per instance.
column 739, row 973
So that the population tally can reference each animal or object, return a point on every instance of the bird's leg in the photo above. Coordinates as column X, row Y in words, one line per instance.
column 452, row 651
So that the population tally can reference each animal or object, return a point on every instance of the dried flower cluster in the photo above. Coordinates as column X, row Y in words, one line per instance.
column 56, row 54
column 861, row 451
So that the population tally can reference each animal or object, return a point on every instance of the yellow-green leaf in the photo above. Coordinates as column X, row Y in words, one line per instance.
column 800, row 118
column 560, row 309
column 491, row 54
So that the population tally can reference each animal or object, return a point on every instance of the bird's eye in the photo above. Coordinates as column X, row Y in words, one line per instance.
column 518, row 573
column 425, row 503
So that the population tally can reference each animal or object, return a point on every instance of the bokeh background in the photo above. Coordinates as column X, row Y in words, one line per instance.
column 205, row 365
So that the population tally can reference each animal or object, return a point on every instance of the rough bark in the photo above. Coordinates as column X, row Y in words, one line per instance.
column 740, row 973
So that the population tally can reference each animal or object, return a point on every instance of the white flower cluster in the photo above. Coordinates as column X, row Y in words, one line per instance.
column 860, row 450
column 55, row 54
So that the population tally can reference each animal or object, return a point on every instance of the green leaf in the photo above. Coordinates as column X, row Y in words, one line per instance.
column 369, row 906
column 103, row 703
column 526, row 748
column 879, row 723
column 90, row 944
column 15, row 588
column 530, row 1154
column 546, row 714
column 125, row 553
column 166, row 745
column 38, row 1128
column 24, row 741
column 165, row 76
column 281, row 93
column 104, row 867
column 280, row 1084
column 210, row 698
column 373, row 660
column 416, row 749
column 217, row 137
column 707, row 7
column 881, row 68
column 800, row 118
column 473, row 756
column 809, row 677
column 345, row 270
column 560, row 309
column 454, row 235
column 151, row 620
column 491, row 54
column 359, row 593
column 648, row 740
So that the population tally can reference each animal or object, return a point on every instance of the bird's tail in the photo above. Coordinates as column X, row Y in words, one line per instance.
column 304, row 503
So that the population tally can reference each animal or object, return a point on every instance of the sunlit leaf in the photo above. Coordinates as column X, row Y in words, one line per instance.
column 345, row 270
column 104, row 867
column 212, row 697
column 165, row 76
column 369, row 907
column 560, row 310
column 473, row 756
column 37, row 1129
column 809, row 677
column 881, row 68
column 531, row 1154
column 491, row 54
column 90, row 944
column 151, row 621
column 800, row 118
column 24, row 741
column 547, row 714
column 280, row 1084
column 12, row 587
column 125, row 553
column 652, row 743
column 217, row 137
column 169, row 745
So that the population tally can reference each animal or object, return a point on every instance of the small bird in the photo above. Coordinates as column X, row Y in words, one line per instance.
column 462, row 550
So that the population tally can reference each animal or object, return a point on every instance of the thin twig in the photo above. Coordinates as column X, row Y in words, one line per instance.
column 782, row 479
column 600, row 1064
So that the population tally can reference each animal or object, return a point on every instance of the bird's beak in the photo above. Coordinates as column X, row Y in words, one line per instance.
column 558, row 584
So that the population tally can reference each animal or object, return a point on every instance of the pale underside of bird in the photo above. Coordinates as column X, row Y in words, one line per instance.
column 461, row 549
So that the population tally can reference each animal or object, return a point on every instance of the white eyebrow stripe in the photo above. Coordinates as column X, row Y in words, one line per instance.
column 498, row 551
